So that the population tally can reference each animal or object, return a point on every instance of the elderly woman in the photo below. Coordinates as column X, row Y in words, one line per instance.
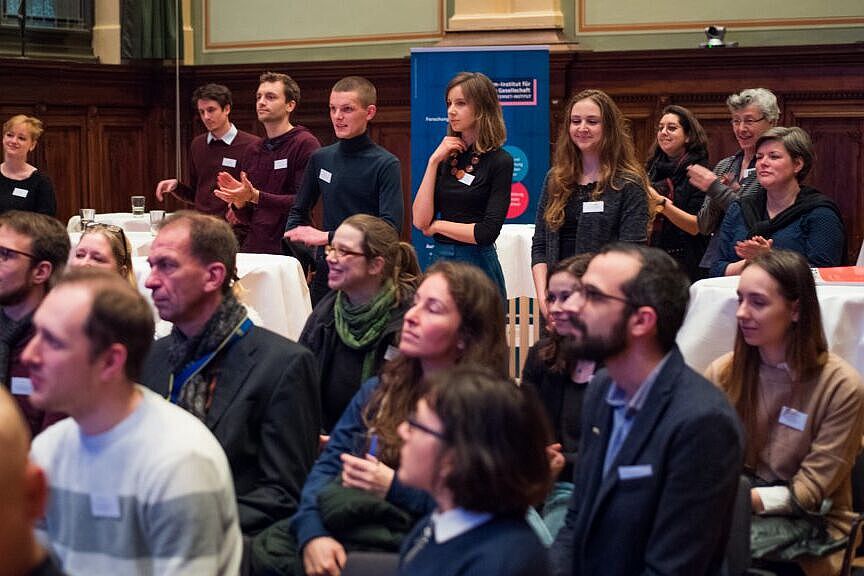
column 781, row 213
column 753, row 111
column 802, row 407
column 22, row 185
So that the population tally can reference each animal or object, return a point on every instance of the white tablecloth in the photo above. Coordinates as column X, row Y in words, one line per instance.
column 275, row 288
column 140, row 241
column 514, row 253
column 125, row 220
column 709, row 328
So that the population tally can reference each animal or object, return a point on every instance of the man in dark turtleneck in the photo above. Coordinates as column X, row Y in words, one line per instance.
column 271, row 169
column 354, row 175
column 33, row 251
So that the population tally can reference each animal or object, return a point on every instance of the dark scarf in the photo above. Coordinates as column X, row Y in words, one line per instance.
column 11, row 332
column 754, row 209
column 666, row 173
column 362, row 326
column 197, row 393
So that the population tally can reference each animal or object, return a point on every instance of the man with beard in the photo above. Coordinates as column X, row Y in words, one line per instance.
column 33, row 251
column 661, row 447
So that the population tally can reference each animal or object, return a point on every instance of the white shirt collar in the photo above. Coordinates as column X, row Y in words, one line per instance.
column 455, row 522
column 227, row 138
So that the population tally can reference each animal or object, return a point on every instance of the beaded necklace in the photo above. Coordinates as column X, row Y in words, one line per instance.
column 459, row 172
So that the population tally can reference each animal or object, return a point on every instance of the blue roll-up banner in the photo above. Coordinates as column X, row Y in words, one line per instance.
column 521, row 74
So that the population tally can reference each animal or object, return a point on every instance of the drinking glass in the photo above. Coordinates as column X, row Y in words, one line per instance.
column 87, row 215
column 156, row 216
column 138, row 206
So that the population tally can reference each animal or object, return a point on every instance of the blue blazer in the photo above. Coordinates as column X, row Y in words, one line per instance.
column 672, row 514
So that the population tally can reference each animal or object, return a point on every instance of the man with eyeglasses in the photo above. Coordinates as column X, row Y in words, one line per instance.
column 33, row 252
column 661, row 447
column 255, row 390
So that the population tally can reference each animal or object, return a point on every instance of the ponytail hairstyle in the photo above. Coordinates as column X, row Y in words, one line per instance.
column 380, row 240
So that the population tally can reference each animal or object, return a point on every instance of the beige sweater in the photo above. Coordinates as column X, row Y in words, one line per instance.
column 817, row 462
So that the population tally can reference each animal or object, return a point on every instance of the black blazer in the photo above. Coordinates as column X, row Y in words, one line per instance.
column 673, row 520
column 266, row 414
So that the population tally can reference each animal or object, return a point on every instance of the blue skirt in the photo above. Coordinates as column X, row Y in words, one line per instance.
column 484, row 257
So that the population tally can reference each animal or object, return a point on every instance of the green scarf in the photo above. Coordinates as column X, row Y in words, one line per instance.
column 362, row 326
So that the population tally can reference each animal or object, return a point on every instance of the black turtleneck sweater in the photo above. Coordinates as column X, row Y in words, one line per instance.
column 355, row 176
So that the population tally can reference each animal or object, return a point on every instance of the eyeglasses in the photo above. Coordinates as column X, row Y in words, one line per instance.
column 339, row 253
column 7, row 254
column 116, row 230
column 747, row 122
column 594, row 295
column 413, row 423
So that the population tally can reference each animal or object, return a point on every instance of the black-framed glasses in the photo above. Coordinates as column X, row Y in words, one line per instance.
column 594, row 295
column 7, row 254
column 117, row 231
column 338, row 253
column 413, row 423
column 746, row 121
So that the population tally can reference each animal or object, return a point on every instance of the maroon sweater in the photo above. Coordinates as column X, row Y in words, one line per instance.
column 205, row 162
column 37, row 419
column 275, row 168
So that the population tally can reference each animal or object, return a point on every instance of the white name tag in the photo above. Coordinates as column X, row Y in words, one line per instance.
column 793, row 418
column 467, row 179
column 21, row 386
column 391, row 352
column 588, row 207
column 749, row 172
column 633, row 472
column 105, row 506
column 325, row 175
column 229, row 162
column 280, row 164
column 20, row 192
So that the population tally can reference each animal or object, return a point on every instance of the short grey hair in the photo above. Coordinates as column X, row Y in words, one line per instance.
column 763, row 98
column 797, row 143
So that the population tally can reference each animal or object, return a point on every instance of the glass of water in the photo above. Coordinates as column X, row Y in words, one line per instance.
column 138, row 205
column 87, row 215
column 156, row 217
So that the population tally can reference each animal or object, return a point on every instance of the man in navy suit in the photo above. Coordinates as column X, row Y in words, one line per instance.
column 661, row 448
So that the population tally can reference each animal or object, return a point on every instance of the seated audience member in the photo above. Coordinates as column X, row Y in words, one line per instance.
column 782, row 213
column 660, row 453
column 137, row 485
column 22, row 500
column 753, row 111
column 105, row 246
column 680, row 143
column 457, row 317
column 22, row 185
column 372, row 277
column 33, row 252
column 560, row 378
column 802, row 407
column 255, row 390
column 483, row 473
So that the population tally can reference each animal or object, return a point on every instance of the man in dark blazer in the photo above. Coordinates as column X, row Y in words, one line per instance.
column 661, row 448
column 254, row 389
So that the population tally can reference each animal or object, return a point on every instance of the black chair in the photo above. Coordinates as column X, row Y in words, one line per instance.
column 371, row 564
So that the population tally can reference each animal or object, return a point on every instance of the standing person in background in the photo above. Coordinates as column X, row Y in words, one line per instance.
column 465, row 192
column 680, row 143
column 220, row 149
column 595, row 192
column 354, row 176
column 753, row 112
column 271, row 169
column 22, row 185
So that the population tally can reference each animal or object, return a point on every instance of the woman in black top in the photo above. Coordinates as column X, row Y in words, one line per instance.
column 22, row 185
column 680, row 143
column 465, row 193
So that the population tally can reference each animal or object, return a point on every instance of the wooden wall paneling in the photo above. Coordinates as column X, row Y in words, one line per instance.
column 121, row 163
column 62, row 151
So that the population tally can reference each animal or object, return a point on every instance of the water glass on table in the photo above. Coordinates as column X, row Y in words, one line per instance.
column 87, row 215
column 138, row 205
column 156, row 217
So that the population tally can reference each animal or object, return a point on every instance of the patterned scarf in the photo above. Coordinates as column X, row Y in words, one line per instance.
column 197, row 393
column 11, row 332
column 362, row 326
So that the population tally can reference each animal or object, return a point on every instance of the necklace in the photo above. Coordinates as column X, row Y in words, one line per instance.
column 459, row 172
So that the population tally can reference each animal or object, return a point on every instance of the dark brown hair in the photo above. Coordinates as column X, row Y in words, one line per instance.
column 216, row 92
column 480, row 92
column 292, row 90
column 696, row 140
column 49, row 241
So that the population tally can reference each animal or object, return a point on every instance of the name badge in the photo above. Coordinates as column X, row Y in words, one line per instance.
column 325, row 175
column 391, row 352
column 21, row 386
column 589, row 207
column 467, row 179
column 749, row 172
column 793, row 418
column 634, row 472
column 280, row 164
column 105, row 505
column 20, row 192
column 229, row 162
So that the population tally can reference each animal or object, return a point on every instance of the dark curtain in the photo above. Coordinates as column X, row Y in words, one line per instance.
column 147, row 29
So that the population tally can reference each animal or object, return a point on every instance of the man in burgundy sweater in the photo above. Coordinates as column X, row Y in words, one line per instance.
column 219, row 149
column 272, row 169
column 33, row 251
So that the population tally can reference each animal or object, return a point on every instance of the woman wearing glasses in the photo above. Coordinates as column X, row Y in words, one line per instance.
column 457, row 316
column 104, row 246
column 22, row 185
column 753, row 112
column 465, row 193
column 372, row 277
column 483, row 473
